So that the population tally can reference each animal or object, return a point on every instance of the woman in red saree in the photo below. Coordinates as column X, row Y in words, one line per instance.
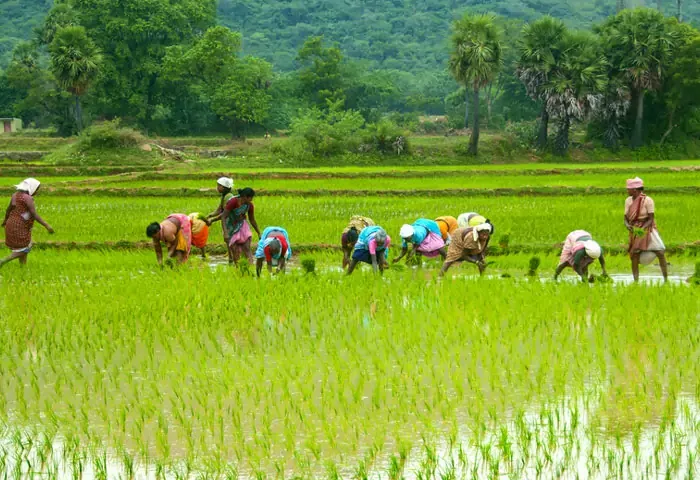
column 19, row 221
column 640, row 222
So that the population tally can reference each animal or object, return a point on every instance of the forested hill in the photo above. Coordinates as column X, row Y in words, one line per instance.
column 407, row 35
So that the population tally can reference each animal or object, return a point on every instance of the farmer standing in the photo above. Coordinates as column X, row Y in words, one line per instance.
column 641, row 224
column 19, row 221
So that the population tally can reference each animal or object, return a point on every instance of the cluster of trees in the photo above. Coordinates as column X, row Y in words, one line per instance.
column 167, row 67
column 634, row 78
column 408, row 35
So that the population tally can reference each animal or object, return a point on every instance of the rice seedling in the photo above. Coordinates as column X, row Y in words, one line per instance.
column 183, row 376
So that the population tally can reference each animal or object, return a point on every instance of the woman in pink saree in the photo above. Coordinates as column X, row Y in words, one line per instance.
column 176, row 232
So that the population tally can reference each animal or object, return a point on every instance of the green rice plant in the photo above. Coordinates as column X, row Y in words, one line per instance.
column 533, row 265
column 309, row 265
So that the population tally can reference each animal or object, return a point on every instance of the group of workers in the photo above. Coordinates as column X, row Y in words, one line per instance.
column 453, row 239
column 461, row 239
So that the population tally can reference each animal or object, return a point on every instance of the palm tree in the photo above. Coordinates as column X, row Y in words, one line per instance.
column 639, row 45
column 540, row 52
column 576, row 87
column 75, row 62
column 475, row 59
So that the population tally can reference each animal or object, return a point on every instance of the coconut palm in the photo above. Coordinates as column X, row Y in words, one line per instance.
column 475, row 59
column 540, row 52
column 576, row 86
column 639, row 45
column 75, row 62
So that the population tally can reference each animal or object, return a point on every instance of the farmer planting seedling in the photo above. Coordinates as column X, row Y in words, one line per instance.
column 274, row 248
column 372, row 247
column 469, row 245
column 470, row 219
column 176, row 232
column 448, row 225
column 579, row 251
column 644, row 240
column 425, row 238
column 350, row 235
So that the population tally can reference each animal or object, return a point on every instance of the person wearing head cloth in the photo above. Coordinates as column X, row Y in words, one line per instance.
column 238, row 216
column 224, row 186
column 19, row 221
column 274, row 248
column 644, row 240
column 425, row 238
column 470, row 219
column 176, row 232
column 372, row 247
column 469, row 245
column 350, row 235
column 448, row 225
column 579, row 251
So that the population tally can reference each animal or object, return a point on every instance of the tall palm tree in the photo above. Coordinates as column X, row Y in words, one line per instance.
column 540, row 52
column 639, row 45
column 475, row 59
column 75, row 62
column 576, row 87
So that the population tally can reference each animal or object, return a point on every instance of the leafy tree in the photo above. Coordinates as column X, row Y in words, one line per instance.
column 75, row 62
column 576, row 86
column 475, row 59
column 541, row 52
column 320, row 76
column 60, row 16
column 639, row 46
column 244, row 98
column 682, row 89
column 133, row 36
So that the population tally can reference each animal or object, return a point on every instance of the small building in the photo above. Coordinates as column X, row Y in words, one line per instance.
column 10, row 125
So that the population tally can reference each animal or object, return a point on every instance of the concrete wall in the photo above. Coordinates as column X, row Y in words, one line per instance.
column 15, row 125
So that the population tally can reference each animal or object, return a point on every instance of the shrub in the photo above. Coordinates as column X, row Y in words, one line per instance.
column 328, row 133
column 384, row 137
column 108, row 135
column 521, row 134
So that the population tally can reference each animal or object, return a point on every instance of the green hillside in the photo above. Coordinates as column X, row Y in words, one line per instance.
column 406, row 35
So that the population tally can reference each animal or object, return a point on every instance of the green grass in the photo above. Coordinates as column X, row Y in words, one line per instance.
column 204, row 370
column 528, row 220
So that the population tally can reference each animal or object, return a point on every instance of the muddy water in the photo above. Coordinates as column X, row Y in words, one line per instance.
column 650, row 275
column 563, row 439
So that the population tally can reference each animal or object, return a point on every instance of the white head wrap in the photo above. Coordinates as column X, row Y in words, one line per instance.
column 29, row 185
column 225, row 182
column 406, row 231
column 593, row 250
column 481, row 228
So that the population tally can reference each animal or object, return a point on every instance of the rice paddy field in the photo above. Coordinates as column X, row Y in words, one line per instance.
column 113, row 368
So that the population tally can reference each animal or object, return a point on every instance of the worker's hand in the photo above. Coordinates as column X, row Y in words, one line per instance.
column 50, row 230
column 395, row 260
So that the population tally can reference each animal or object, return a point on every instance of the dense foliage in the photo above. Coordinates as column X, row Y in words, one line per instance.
column 167, row 68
